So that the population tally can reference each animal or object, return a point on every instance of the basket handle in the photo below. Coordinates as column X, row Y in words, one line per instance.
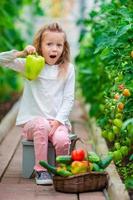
column 73, row 144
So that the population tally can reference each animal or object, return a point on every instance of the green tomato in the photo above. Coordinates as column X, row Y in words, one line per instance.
column 119, row 78
column 104, row 133
column 33, row 66
column 124, row 150
column 117, row 155
column 119, row 116
column 101, row 107
column 111, row 136
column 117, row 145
column 116, row 130
column 117, row 122
column 128, row 142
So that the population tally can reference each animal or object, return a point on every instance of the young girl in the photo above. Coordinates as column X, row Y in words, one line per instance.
column 47, row 101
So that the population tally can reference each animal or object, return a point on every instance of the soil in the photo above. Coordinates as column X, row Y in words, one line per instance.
column 7, row 105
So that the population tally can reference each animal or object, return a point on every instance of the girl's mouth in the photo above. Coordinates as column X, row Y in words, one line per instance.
column 52, row 56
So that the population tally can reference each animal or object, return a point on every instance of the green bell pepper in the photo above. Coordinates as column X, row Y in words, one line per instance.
column 93, row 157
column 33, row 66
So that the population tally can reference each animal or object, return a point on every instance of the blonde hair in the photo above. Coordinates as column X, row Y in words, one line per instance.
column 64, row 59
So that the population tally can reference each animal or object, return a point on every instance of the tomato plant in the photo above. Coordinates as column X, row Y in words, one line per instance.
column 105, row 73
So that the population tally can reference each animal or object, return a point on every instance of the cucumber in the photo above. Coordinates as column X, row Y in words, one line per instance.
column 49, row 167
column 96, row 167
column 54, row 170
column 103, row 163
column 65, row 159
column 64, row 173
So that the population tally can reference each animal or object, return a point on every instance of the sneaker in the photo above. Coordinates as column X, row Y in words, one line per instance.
column 43, row 178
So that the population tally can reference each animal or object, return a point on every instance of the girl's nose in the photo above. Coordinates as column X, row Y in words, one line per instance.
column 54, row 48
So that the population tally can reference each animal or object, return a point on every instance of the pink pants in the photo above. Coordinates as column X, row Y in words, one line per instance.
column 38, row 130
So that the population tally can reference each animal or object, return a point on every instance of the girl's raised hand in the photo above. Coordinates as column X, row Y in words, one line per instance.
column 30, row 49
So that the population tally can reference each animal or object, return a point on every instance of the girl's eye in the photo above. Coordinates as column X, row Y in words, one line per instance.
column 59, row 45
column 49, row 44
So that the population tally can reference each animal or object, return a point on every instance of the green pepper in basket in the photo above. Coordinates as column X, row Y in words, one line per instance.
column 93, row 157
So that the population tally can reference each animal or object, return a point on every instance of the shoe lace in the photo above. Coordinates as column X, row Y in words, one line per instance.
column 45, row 175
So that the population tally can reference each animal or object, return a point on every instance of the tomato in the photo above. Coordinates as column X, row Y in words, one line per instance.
column 124, row 150
column 117, row 156
column 121, row 87
column 101, row 107
column 119, row 78
column 116, row 129
column 119, row 116
column 116, row 96
column 111, row 136
column 78, row 155
column 128, row 142
column 117, row 122
column 132, row 54
column 117, row 145
column 126, row 92
column 120, row 106
column 104, row 134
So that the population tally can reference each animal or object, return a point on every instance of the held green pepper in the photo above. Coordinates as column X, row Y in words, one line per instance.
column 33, row 66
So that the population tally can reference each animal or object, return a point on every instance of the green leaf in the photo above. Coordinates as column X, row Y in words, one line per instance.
column 125, row 124
column 123, row 30
column 129, row 183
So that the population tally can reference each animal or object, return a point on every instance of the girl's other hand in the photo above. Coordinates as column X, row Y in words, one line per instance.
column 30, row 49
column 54, row 125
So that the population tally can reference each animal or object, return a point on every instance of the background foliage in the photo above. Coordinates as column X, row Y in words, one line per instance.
column 105, row 69
column 11, row 38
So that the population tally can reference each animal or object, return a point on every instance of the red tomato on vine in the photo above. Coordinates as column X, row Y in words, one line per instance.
column 121, row 87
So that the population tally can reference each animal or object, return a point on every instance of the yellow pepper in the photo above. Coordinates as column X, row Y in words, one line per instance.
column 78, row 167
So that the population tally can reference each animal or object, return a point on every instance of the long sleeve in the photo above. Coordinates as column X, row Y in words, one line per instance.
column 8, row 59
column 68, row 99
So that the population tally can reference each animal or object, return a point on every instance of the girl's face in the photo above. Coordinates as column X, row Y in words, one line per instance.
column 52, row 46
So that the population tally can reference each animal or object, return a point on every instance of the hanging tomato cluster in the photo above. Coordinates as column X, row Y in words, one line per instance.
column 114, row 129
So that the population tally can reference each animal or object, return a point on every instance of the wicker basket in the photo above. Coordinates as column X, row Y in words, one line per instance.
column 91, row 181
